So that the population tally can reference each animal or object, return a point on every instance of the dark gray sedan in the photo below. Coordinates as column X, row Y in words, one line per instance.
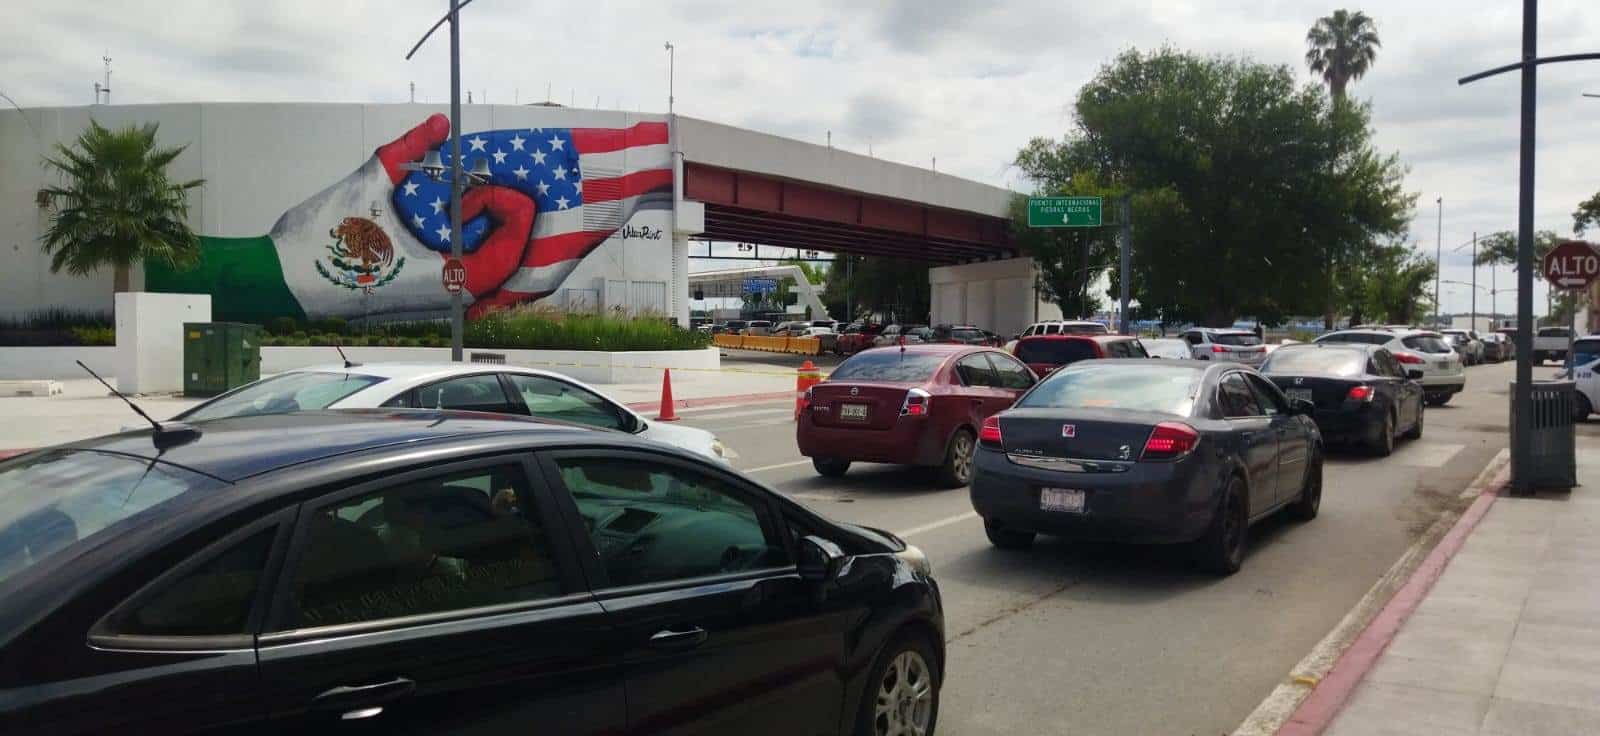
column 1148, row 451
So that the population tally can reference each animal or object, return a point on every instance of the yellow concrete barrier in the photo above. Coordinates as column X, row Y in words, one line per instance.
column 771, row 344
column 724, row 340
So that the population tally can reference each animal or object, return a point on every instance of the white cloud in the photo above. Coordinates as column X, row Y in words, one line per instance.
column 966, row 81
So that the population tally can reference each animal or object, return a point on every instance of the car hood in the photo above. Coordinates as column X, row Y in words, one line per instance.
column 692, row 439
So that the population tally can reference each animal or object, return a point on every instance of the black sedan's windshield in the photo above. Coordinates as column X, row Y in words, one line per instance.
column 283, row 393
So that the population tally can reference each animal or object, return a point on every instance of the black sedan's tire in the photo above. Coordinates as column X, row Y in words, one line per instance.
column 957, row 468
column 1581, row 409
column 1306, row 506
column 830, row 467
column 902, row 691
column 1004, row 538
column 1382, row 443
column 1221, row 548
column 1415, row 433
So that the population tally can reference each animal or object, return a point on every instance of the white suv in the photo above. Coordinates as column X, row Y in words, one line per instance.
column 1426, row 350
column 1584, row 370
column 1226, row 344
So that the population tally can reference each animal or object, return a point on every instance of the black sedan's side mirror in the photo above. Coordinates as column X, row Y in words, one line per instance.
column 1303, row 407
column 1414, row 374
column 820, row 559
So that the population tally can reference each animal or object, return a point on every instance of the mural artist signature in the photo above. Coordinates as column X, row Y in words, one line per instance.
column 641, row 233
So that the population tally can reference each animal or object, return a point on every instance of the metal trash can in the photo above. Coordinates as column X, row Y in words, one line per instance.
column 490, row 358
column 1553, row 462
column 219, row 356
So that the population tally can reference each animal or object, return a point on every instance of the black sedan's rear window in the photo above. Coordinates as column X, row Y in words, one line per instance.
column 1161, row 387
column 889, row 365
column 1054, row 352
column 1316, row 361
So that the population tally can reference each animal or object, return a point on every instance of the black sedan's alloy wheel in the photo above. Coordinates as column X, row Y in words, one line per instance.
column 1416, row 429
column 1383, row 442
column 1222, row 547
column 1005, row 538
column 1310, row 501
column 902, row 697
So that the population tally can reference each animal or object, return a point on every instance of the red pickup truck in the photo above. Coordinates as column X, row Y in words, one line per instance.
column 856, row 337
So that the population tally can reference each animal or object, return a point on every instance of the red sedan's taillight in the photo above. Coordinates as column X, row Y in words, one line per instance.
column 916, row 403
column 989, row 433
column 1170, row 440
column 1409, row 358
column 1360, row 393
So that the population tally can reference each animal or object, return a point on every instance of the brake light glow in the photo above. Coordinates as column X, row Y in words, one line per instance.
column 804, row 403
column 916, row 403
column 1218, row 349
column 1360, row 393
column 1409, row 358
column 989, row 433
column 1169, row 441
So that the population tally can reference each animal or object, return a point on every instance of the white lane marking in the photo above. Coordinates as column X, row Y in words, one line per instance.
column 761, row 468
column 940, row 524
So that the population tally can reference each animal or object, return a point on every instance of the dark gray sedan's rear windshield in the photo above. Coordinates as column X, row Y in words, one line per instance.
column 54, row 501
column 283, row 393
column 1159, row 387
column 889, row 365
column 1314, row 361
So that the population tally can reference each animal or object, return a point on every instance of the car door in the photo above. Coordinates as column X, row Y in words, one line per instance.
column 442, row 599
column 981, row 388
column 1408, row 391
column 1195, row 341
column 1294, row 439
column 1256, row 437
column 1015, row 378
column 552, row 398
column 720, row 634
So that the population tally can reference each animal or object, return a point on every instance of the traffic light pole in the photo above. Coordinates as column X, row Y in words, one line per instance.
column 1125, row 245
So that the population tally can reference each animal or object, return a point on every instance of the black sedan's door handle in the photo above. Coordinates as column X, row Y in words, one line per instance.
column 670, row 640
column 363, row 696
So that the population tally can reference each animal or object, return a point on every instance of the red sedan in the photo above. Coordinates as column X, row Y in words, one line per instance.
column 911, row 405
column 856, row 337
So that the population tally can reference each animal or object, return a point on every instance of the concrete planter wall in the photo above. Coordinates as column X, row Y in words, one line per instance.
column 36, row 363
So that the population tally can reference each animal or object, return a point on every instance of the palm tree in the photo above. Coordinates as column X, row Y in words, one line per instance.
column 1343, row 47
column 116, row 206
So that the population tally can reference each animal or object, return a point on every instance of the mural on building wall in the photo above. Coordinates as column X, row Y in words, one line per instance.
column 371, row 245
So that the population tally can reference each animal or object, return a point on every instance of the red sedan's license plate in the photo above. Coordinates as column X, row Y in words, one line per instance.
column 856, row 412
column 1067, row 500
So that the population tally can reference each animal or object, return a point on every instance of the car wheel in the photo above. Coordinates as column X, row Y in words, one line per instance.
column 1443, row 399
column 1416, row 429
column 957, row 468
column 1004, row 538
column 830, row 467
column 1222, row 546
column 1305, row 508
column 902, row 697
column 1582, row 409
column 1383, row 442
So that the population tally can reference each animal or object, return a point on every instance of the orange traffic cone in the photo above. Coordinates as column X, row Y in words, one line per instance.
column 668, row 412
column 807, row 377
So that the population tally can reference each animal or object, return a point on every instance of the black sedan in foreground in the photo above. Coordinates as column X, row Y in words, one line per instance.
column 417, row 572
column 1148, row 451
column 1362, row 393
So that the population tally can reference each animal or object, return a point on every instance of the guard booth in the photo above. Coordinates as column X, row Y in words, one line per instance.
column 219, row 356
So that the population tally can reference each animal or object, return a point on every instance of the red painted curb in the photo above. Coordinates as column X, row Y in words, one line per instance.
column 10, row 453
column 1317, row 711
column 713, row 401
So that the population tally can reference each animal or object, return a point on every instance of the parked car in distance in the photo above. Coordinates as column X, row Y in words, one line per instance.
column 855, row 337
column 1497, row 347
column 1584, row 370
column 1148, row 451
column 1361, row 393
column 425, row 572
column 781, row 329
column 1229, row 344
column 736, row 326
column 920, row 405
column 1442, row 375
column 963, row 335
column 1045, row 353
column 898, row 334
column 1171, row 348
column 1058, row 327
column 1466, row 344
column 1550, row 343
column 826, row 338
column 497, row 389
column 758, row 328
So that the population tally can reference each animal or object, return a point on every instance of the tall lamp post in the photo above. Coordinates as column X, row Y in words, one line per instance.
column 1522, row 395
column 1438, row 262
column 456, row 178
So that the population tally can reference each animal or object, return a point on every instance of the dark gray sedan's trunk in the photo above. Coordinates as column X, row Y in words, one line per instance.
column 1087, row 434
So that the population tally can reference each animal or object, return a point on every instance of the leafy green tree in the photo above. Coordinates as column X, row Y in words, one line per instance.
column 117, row 206
column 1501, row 248
column 1587, row 215
column 1397, row 289
column 1343, row 47
column 1245, row 187
column 890, row 288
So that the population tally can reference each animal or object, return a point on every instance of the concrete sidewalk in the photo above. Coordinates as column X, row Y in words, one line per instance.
column 1506, row 641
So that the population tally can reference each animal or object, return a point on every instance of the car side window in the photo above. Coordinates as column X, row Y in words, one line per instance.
column 1268, row 397
column 975, row 370
column 1237, row 398
column 1193, row 338
column 403, row 401
column 213, row 599
column 554, row 399
column 1136, row 349
column 454, row 541
column 481, row 392
column 1011, row 373
column 654, row 521
column 1052, row 329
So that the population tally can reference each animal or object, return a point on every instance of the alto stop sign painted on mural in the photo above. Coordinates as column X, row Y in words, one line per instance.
column 454, row 275
column 1573, row 264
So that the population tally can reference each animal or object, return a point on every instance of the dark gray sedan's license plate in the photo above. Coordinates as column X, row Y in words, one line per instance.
column 855, row 412
column 1066, row 500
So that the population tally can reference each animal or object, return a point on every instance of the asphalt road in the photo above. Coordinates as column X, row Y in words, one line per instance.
column 1115, row 639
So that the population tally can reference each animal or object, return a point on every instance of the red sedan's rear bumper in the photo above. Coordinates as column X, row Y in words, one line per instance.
column 909, row 442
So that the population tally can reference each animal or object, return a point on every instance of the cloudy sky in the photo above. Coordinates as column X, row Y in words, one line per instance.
column 967, row 82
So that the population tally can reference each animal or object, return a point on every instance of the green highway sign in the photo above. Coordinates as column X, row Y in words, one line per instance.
column 1064, row 212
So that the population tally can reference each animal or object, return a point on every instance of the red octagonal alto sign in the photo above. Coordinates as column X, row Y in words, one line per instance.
column 453, row 275
column 1572, row 264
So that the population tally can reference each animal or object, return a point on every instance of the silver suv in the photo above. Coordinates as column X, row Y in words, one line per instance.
column 1227, row 344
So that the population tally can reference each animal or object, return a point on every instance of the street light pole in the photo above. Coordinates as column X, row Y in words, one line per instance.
column 1474, row 325
column 1438, row 261
column 457, row 317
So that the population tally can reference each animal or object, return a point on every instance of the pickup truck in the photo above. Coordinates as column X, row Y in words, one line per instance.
column 1550, row 343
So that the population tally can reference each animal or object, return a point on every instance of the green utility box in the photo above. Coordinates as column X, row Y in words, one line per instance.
column 219, row 356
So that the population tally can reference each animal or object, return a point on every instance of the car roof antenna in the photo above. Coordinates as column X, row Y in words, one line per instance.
column 166, row 435
column 348, row 363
